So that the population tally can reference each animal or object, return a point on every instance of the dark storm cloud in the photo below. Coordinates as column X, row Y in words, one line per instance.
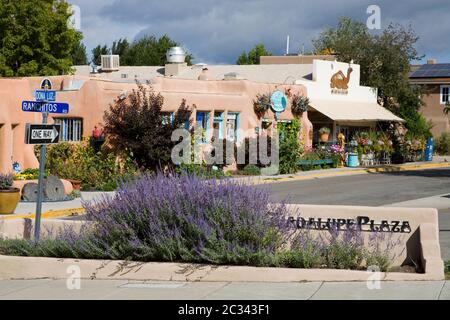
column 218, row 31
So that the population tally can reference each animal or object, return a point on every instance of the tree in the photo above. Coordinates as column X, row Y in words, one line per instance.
column 150, row 51
column 447, row 109
column 98, row 52
column 253, row 56
column 79, row 55
column 137, row 125
column 385, row 62
column 121, row 48
column 35, row 38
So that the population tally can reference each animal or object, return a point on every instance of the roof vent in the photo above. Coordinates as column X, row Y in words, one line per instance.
column 110, row 63
column 176, row 55
column 233, row 76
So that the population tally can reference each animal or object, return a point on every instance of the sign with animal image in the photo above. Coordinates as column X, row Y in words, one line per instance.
column 340, row 82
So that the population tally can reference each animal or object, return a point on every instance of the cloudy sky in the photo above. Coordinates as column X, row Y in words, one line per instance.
column 217, row 31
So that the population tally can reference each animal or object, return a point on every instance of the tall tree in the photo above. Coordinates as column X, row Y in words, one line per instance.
column 254, row 55
column 150, row 51
column 121, row 47
column 35, row 38
column 97, row 53
column 79, row 55
column 385, row 63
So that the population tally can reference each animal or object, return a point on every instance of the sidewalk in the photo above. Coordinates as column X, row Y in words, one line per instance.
column 56, row 209
column 123, row 290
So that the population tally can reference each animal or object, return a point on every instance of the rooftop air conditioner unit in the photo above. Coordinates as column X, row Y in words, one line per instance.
column 110, row 63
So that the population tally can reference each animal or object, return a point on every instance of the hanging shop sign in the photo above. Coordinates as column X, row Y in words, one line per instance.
column 279, row 101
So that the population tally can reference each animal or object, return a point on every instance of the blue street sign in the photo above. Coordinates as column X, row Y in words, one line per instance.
column 56, row 107
column 44, row 95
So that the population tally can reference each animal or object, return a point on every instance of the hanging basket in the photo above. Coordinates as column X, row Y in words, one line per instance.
column 262, row 104
column 300, row 105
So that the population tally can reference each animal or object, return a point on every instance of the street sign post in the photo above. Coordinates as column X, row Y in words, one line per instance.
column 42, row 133
column 43, row 106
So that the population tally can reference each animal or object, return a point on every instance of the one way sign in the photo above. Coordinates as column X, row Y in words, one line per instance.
column 42, row 133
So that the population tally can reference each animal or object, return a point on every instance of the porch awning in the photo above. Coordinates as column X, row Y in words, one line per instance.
column 354, row 111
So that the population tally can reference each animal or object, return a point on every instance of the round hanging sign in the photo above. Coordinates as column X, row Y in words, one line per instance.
column 279, row 101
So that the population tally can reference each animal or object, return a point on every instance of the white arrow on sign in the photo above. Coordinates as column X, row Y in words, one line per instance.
column 45, row 134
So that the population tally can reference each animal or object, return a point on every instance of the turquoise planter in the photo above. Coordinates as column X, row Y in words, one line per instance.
column 353, row 160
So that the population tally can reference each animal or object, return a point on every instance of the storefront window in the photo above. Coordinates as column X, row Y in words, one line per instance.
column 71, row 128
column 168, row 117
column 218, row 126
column 202, row 122
column 233, row 127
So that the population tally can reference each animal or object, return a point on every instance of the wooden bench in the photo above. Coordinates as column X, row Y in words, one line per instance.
column 316, row 162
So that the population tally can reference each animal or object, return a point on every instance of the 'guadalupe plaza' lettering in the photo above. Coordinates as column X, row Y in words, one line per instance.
column 364, row 224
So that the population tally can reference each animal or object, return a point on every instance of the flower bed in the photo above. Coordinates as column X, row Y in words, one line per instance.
column 186, row 219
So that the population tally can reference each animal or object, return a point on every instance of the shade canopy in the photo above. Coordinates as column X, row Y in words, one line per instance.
column 354, row 111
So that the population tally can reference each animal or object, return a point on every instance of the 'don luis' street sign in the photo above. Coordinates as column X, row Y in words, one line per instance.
column 45, row 95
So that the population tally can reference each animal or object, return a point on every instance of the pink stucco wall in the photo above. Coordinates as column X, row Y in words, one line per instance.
column 93, row 99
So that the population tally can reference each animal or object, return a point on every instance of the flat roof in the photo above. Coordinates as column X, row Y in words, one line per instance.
column 279, row 74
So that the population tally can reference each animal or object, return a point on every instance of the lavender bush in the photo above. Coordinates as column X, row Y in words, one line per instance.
column 6, row 181
column 187, row 219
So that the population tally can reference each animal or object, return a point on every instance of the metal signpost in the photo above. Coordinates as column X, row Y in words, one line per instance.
column 43, row 134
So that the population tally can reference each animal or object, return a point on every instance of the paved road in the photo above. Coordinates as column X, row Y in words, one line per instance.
column 427, row 188
column 368, row 189
column 117, row 290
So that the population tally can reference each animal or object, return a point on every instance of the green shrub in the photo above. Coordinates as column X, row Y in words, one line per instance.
column 96, row 170
column 290, row 147
column 251, row 170
column 200, row 170
column 443, row 144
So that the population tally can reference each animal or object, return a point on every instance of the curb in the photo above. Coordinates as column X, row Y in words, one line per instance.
column 47, row 215
column 25, row 268
column 325, row 174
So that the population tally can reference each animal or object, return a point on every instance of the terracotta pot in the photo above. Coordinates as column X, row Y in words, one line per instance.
column 76, row 184
column 9, row 200
column 325, row 137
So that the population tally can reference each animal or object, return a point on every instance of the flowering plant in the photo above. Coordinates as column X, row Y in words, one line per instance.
column 300, row 104
column 6, row 181
column 262, row 104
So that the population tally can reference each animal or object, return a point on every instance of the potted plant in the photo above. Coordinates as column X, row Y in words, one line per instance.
column 324, row 134
column 300, row 105
column 9, row 196
column 262, row 104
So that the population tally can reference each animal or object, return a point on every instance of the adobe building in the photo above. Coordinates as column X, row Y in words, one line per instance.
column 435, row 79
column 222, row 98
column 338, row 100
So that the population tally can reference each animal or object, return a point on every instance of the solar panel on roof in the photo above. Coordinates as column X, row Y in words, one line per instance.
column 432, row 71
